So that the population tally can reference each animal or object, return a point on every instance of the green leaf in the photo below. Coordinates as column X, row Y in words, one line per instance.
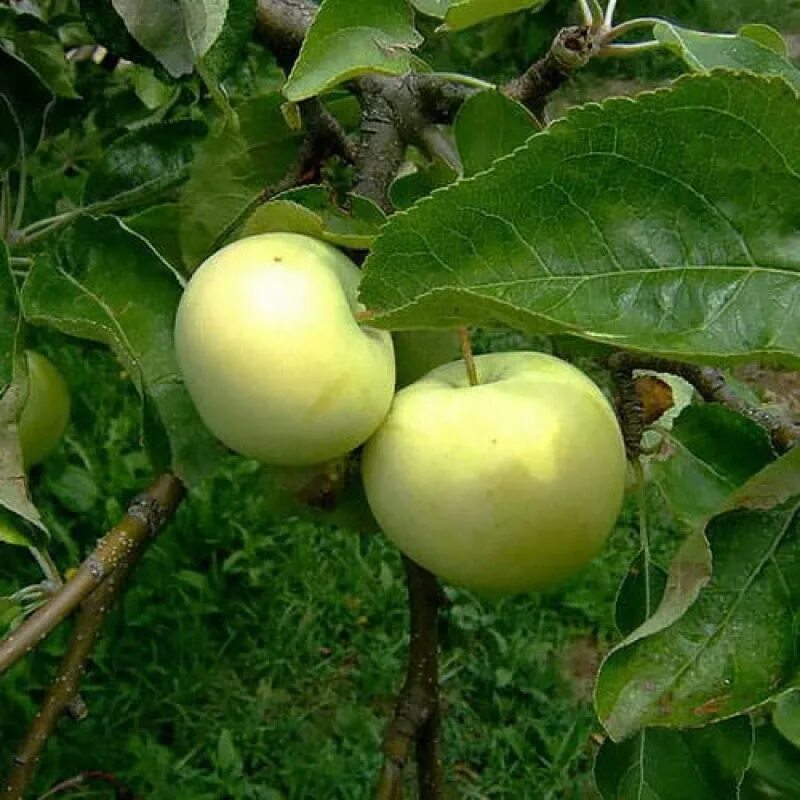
column 108, row 29
column 639, row 594
column 152, row 91
column 159, row 225
column 705, row 764
column 145, row 162
column 38, row 44
column 775, row 485
column 176, row 33
column 313, row 211
column 229, row 49
column 10, row 610
column 24, row 103
column 709, row 453
column 433, row 8
column 75, row 488
column 665, row 224
column 746, row 51
column 10, row 532
column 720, row 658
column 228, row 760
column 490, row 125
column 106, row 284
column 466, row 13
column 348, row 38
column 231, row 173
column 419, row 181
column 786, row 717
column 775, row 768
column 766, row 35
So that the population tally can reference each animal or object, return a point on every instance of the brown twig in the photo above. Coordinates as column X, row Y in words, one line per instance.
column 466, row 352
column 64, row 687
column 416, row 719
column 121, row 791
column 570, row 51
column 711, row 385
column 111, row 564
column 145, row 518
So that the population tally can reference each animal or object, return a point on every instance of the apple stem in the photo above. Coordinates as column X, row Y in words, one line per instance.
column 365, row 316
column 469, row 359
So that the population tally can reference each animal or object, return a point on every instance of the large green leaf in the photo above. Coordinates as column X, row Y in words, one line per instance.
column 707, row 455
column 719, row 658
column 706, row 764
column 24, row 103
column 176, row 33
column 666, row 224
column 313, row 211
column 105, row 283
column 231, row 174
column 490, row 125
column 704, row 51
column 348, row 38
column 145, row 162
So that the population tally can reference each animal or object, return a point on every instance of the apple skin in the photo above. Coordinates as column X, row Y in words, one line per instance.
column 45, row 414
column 272, row 355
column 508, row 486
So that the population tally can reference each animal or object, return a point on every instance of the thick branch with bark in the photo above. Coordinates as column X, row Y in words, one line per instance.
column 96, row 586
column 711, row 385
column 146, row 516
column 417, row 715
column 570, row 51
column 64, row 688
column 410, row 103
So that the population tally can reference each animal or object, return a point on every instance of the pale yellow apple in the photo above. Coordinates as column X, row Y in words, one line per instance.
column 272, row 354
column 45, row 414
column 510, row 485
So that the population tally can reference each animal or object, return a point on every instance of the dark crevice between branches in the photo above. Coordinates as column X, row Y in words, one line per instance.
column 711, row 385
column 96, row 586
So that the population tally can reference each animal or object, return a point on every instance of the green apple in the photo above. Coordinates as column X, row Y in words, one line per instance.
column 507, row 486
column 46, row 411
column 273, row 356
column 418, row 352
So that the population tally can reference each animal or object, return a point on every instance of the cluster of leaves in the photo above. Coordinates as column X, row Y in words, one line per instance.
column 664, row 224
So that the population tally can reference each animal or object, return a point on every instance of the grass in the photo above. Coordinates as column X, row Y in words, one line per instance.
column 257, row 657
